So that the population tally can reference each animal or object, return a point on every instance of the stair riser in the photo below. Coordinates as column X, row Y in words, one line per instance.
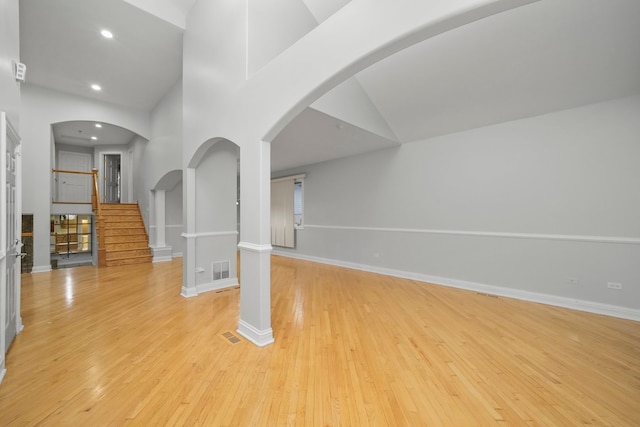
column 127, row 253
column 127, row 245
column 123, row 218
column 124, row 231
column 126, row 238
column 129, row 261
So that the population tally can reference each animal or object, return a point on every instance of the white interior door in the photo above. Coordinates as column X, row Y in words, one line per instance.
column 74, row 188
column 10, row 219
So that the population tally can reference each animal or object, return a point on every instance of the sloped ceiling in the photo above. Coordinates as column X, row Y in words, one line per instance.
column 543, row 57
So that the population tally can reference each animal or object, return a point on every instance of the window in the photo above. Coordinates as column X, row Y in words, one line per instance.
column 298, row 202
column 286, row 209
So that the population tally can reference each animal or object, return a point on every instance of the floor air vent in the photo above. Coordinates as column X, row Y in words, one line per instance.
column 232, row 338
column 220, row 270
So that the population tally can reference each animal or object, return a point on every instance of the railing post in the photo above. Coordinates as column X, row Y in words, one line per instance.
column 100, row 229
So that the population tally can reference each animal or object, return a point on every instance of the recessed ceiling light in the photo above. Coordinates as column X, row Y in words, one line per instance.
column 98, row 125
column 96, row 87
column 106, row 34
column 94, row 137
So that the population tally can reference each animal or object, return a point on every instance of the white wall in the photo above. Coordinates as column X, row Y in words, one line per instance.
column 216, row 214
column 522, row 206
column 9, row 53
column 273, row 26
column 173, row 220
column 164, row 151
column 41, row 108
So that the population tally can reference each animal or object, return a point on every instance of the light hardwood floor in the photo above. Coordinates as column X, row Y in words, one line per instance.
column 119, row 345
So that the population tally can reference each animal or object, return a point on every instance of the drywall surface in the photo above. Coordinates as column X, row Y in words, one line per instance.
column 524, row 205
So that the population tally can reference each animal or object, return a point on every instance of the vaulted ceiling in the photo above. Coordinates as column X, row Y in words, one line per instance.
column 543, row 57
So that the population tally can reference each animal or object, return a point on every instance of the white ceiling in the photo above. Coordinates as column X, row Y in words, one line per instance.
column 80, row 133
column 547, row 56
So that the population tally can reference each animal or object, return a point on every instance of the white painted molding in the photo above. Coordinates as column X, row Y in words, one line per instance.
column 41, row 269
column 562, row 237
column 2, row 371
column 252, row 247
column 167, row 226
column 188, row 292
column 161, row 253
column 217, row 285
column 289, row 178
column 256, row 336
column 209, row 234
column 558, row 301
column 208, row 287
column 177, row 255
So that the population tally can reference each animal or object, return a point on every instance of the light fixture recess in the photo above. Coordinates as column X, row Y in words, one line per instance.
column 96, row 87
column 106, row 34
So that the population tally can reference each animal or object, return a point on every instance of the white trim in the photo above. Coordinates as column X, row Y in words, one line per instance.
column 175, row 226
column 41, row 269
column 209, row 234
column 208, row 287
column 562, row 237
column 256, row 336
column 253, row 247
column 558, row 301
column 188, row 292
column 289, row 178
column 176, row 254
column 3, row 371
column 217, row 285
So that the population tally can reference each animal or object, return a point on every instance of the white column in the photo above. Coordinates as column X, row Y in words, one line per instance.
column 255, row 243
column 160, row 218
column 189, row 255
column 161, row 252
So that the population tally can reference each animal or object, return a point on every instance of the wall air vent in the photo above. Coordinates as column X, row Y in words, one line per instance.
column 220, row 270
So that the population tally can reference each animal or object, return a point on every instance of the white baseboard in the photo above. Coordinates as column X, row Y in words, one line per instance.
column 177, row 255
column 554, row 300
column 256, row 336
column 217, row 285
column 41, row 268
column 189, row 292
column 161, row 253
column 3, row 372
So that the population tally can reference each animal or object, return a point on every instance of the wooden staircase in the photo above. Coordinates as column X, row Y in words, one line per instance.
column 125, row 238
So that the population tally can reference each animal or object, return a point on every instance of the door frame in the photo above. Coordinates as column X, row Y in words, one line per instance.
column 7, row 131
column 101, row 172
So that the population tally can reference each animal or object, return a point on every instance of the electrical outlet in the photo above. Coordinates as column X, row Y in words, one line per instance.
column 199, row 270
column 613, row 285
column 573, row 280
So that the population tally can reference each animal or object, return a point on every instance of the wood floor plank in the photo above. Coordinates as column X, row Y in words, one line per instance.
column 120, row 346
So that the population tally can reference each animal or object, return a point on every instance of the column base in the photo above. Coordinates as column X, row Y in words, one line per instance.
column 258, row 337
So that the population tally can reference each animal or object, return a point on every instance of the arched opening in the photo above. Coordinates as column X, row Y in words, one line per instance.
column 80, row 147
column 211, row 227
column 165, row 217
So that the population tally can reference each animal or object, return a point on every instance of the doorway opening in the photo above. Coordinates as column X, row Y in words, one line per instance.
column 112, row 178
